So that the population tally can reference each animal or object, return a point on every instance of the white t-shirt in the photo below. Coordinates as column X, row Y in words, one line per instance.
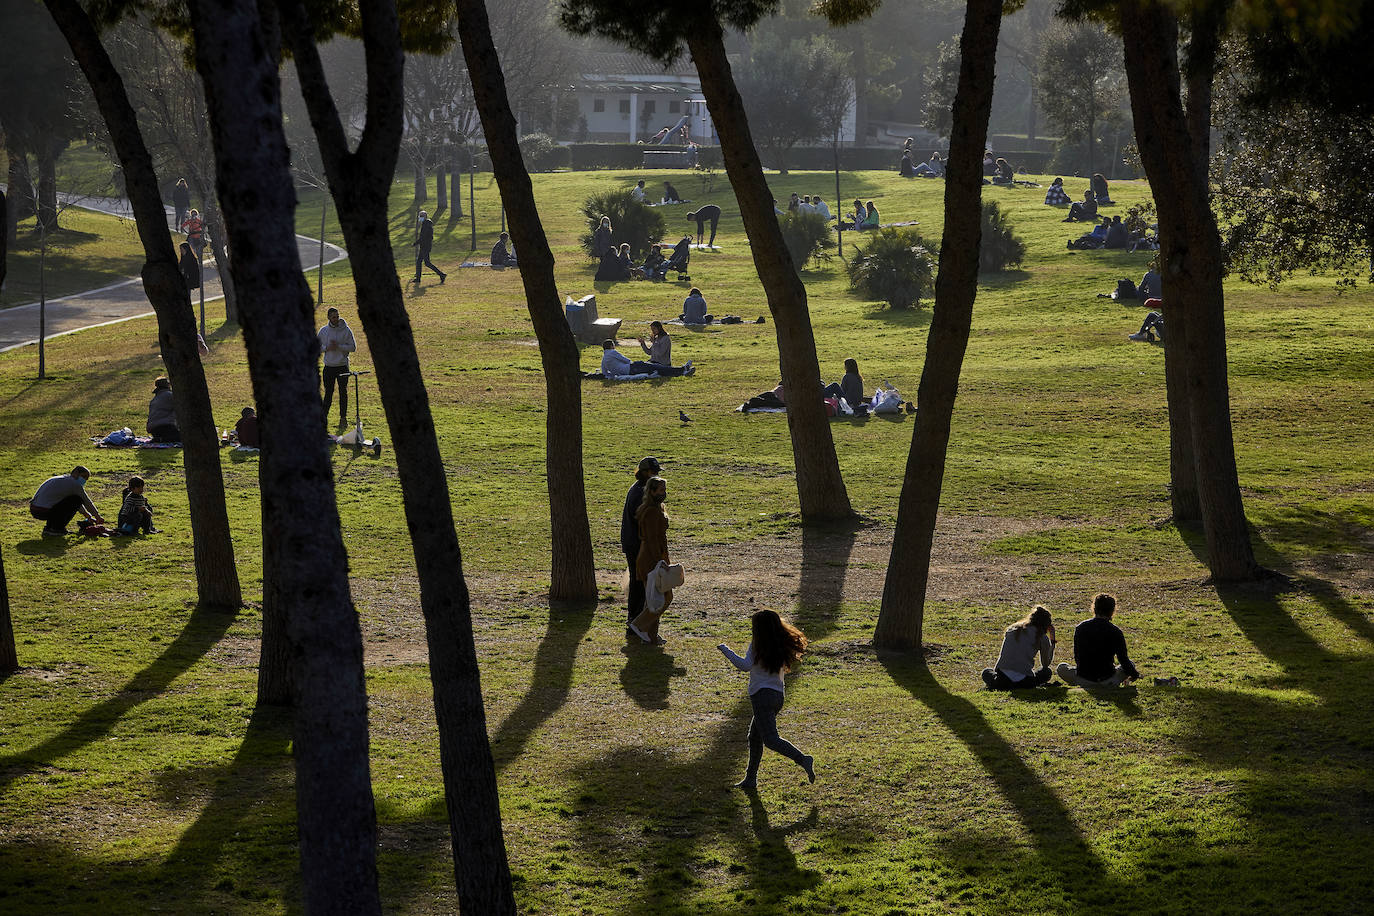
column 759, row 677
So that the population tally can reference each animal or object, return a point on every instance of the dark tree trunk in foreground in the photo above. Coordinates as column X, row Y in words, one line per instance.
column 820, row 488
column 574, row 572
column 236, row 56
column 9, row 656
column 359, row 182
column 47, row 187
column 217, row 580
column 275, row 653
column 908, row 568
column 1190, row 255
column 4, row 238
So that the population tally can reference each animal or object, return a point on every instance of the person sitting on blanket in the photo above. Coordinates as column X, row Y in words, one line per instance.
column 822, row 209
column 1154, row 322
column 694, row 308
column 870, row 220
column 851, row 387
column 247, row 429
column 1118, row 236
column 906, row 168
column 627, row 264
column 162, row 417
column 670, row 194
column 501, row 255
column 615, row 364
column 989, row 163
column 1150, row 286
column 1004, row 173
column 1099, row 185
column 1085, row 211
column 637, row 192
column 767, row 400
column 660, row 349
column 1055, row 196
column 61, row 497
column 653, row 263
column 932, row 168
column 610, row 267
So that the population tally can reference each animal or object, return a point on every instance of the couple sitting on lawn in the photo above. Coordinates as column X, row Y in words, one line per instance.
column 615, row 364
column 1097, row 644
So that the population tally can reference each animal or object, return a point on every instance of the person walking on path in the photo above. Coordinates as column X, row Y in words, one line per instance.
column 629, row 536
column 424, row 242
column 1097, row 644
column 700, row 216
column 190, row 266
column 336, row 342
column 162, row 415
column 651, row 520
column 194, row 227
column 1016, row 663
column 775, row 649
column 60, row 498
column 181, row 201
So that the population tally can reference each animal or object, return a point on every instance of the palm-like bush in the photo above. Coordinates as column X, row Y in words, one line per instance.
column 1001, row 248
column 896, row 267
column 806, row 235
column 631, row 221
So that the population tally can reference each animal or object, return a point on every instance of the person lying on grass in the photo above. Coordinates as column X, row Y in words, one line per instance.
column 1016, row 664
column 1097, row 644
column 775, row 649
column 615, row 364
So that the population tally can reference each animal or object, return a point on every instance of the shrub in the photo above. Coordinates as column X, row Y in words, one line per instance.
column 896, row 267
column 542, row 154
column 1000, row 248
column 806, row 235
column 631, row 221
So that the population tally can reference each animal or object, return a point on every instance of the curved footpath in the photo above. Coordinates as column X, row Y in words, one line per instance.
column 120, row 301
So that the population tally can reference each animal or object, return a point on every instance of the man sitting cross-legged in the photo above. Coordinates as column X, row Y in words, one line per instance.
column 1097, row 643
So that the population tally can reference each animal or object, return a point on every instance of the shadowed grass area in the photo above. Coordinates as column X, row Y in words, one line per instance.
column 136, row 775
column 88, row 251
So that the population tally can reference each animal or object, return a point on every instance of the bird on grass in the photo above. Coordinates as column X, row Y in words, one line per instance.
column 683, row 417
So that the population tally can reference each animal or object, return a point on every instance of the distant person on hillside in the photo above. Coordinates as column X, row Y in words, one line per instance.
column 1022, row 641
column 501, row 255
column 822, row 209
column 1097, row 644
column 1055, row 196
column 1118, row 236
column 654, row 263
column 806, row 206
column 670, row 194
column 60, row 498
column 1004, row 173
column 989, row 163
column 181, row 201
column 694, row 308
column 1085, row 211
column 871, row 219
column 709, row 212
column 794, row 203
column 336, row 342
column 637, row 192
column 162, row 417
column 659, row 346
column 1150, row 286
column 906, row 168
column 774, row 650
column 934, row 167
column 190, row 266
column 247, row 429
column 601, row 238
column 1099, row 185
column 194, row 227
column 424, row 243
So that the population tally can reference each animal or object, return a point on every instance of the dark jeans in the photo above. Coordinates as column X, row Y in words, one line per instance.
column 57, row 516
column 701, row 230
column 670, row 371
column 165, row 432
column 636, row 588
column 763, row 731
column 331, row 374
column 1001, row 682
column 1153, row 322
column 422, row 257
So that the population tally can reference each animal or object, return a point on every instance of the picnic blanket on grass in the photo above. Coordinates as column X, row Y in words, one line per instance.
column 601, row 377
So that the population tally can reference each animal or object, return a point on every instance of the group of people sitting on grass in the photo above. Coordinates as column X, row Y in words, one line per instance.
column 1095, row 195
column 670, row 194
column 864, row 217
column 659, row 348
column 62, row 497
column 1098, row 644
column 616, row 263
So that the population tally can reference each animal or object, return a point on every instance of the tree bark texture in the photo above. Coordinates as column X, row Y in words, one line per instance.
column 360, row 182
column 47, row 187
column 237, row 44
column 4, row 238
column 902, row 614
column 455, row 212
column 573, row 575
column 1190, row 256
column 440, row 190
column 820, row 488
column 214, row 231
column 421, row 192
column 217, row 581
column 275, row 652
column 9, row 656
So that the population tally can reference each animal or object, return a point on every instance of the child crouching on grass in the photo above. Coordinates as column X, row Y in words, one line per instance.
column 135, row 514
column 775, row 649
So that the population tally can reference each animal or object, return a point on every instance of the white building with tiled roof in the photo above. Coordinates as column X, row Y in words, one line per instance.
column 628, row 97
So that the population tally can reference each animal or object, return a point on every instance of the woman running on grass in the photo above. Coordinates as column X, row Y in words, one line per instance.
column 775, row 649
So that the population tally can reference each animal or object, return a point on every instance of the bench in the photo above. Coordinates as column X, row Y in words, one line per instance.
column 586, row 325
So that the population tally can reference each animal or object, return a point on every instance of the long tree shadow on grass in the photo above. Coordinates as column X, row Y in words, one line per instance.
column 824, row 567
column 647, row 676
column 1079, row 875
column 203, row 630
column 550, row 683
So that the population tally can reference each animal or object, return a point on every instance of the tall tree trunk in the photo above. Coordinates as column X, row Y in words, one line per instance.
column 1190, row 252
column 20, row 189
column 421, row 194
column 360, row 182
column 4, row 238
column 217, row 580
column 214, row 230
column 440, row 190
column 274, row 651
column 574, row 571
column 9, row 655
column 456, row 212
column 47, row 187
column 820, row 487
column 237, row 43
column 902, row 614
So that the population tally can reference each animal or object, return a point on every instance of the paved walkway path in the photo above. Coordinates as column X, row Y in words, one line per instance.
column 120, row 301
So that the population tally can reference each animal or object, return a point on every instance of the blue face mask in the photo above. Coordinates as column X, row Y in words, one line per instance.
column 82, row 481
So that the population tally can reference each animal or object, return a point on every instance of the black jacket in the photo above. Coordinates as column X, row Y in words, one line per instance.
column 426, row 240
column 190, row 269
column 1097, row 642
column 629, row 527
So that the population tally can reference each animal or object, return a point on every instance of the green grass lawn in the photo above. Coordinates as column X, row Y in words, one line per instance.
column 135, row 775
column 88, row 251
